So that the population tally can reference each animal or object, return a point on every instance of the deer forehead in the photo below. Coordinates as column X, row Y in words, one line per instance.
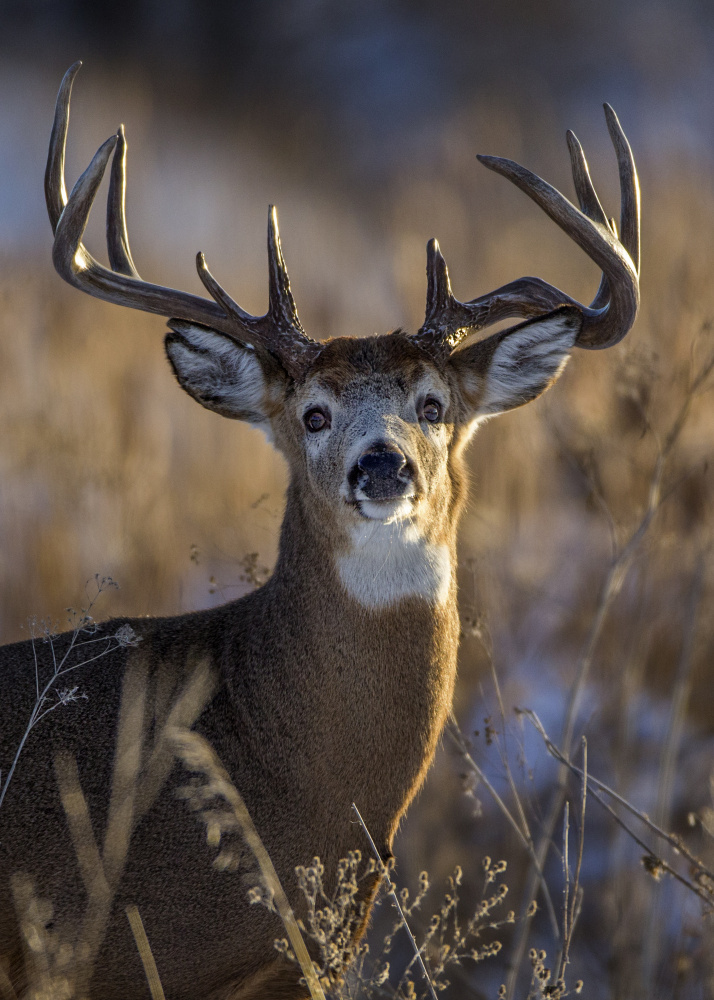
column 348, row 362
column 376, row 393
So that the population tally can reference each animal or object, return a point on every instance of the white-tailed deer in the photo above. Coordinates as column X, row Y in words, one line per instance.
column 330, row 684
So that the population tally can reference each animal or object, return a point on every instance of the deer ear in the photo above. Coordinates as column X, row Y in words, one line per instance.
column 222, row 374
column 515, row 366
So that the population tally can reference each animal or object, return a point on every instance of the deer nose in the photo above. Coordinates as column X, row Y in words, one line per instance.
column 382, row 460
column 383, row 472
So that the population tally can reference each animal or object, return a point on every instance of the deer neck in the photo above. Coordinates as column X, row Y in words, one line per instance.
column 374, row 567
column 369, row 668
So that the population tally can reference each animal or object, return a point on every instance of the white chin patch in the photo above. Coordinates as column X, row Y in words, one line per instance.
column 386, row 511
column 390, row 561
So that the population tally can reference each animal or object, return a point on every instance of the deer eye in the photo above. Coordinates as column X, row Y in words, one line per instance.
column 432, row 410
column 316, row 419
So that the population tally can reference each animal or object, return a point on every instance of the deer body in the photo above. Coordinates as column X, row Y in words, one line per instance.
column 297, row 774
column 330, row 684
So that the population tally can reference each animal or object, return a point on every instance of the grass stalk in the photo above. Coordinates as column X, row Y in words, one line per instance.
column 199, row 756
column 391, row 889
column 145, row 953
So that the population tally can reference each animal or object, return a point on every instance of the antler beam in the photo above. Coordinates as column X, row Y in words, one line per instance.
column 613, row 310
column 279, row 331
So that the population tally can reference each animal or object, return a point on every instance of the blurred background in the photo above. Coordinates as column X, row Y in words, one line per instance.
column 361, row 121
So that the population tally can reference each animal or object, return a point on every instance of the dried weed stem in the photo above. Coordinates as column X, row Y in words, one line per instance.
column 391, row 889
column 656, row 865
column 199, row 757
column 144, row 949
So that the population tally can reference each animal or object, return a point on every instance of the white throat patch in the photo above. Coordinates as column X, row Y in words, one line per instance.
column 391, row 561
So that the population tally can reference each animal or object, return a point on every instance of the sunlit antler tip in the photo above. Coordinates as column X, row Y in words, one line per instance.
column 273, row 229
column 202, row 267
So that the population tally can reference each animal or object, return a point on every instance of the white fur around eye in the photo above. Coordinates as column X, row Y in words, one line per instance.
column 526, row 362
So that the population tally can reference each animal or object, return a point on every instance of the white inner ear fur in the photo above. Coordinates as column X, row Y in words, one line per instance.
column 388, row 562
column 219, row 373
column 527, row 361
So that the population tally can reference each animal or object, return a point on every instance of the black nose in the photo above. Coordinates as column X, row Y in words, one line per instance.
column 382, row 473
column 381, row 461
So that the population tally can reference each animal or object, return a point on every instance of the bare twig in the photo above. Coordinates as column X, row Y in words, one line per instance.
column 679, row 700
column 573, row 900
column 504, row 757
column 395, row 899
column 47, row 696
column 566, row 885
column 524, row 837
column 595, row 787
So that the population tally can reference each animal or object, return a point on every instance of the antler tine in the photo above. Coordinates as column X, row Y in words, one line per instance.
column 629, row 188
column 589, row 204
column 76, row 265
column 55, row 190
column 256, row 329
column 584, row 231
column 279, row 331
column 221, row 296
column 68, row 254
column 445, row 315
column 614, row 308
column 118, row 248
column 282, row 307
column 587, row 195
column 439, row 297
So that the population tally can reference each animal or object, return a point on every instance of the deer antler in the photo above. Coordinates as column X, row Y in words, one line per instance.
column 613, row 310
column 279, row 331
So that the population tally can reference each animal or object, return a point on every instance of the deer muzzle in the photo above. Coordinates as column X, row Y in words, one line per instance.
column 383, row 472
